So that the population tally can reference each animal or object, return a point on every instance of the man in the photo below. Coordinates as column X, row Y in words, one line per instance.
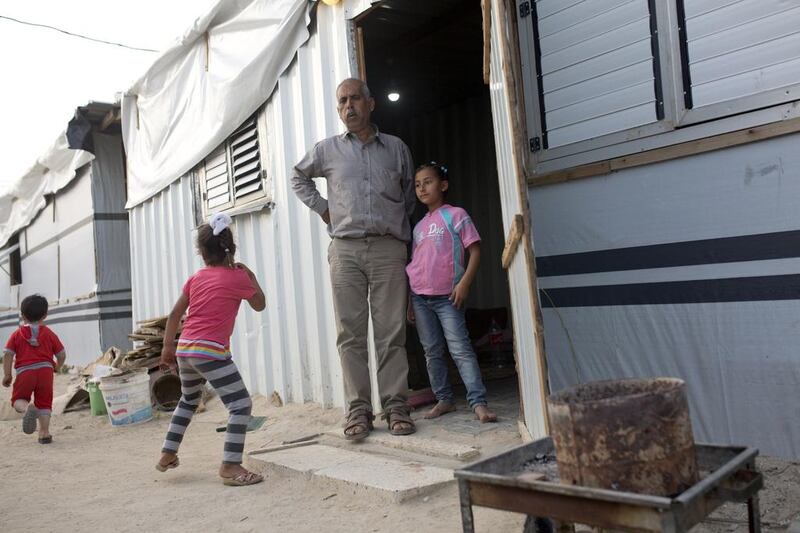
column 370, row 198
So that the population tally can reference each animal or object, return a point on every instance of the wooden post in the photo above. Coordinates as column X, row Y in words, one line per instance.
column 486, row 9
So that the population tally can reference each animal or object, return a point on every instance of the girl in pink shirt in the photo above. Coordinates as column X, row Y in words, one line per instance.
column 212, row 296
column 439, row 287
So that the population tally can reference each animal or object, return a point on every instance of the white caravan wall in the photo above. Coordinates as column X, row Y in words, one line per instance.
column 730, row 329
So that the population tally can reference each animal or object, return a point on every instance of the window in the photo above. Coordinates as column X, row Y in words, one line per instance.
column 14, row 261
column 738, row 55
column 602, row 75
column 232, row 176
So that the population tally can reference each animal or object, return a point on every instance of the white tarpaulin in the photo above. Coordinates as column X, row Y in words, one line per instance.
column 52, row 172
column 200, row 90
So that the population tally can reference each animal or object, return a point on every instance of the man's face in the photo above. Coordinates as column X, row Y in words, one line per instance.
column 354, row 108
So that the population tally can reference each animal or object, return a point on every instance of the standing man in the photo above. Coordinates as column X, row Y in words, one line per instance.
column 370, row 199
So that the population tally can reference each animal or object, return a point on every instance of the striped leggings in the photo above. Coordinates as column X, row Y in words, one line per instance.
column 225, row 378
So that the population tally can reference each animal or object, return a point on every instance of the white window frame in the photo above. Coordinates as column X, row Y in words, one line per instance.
column 679, row 123
column 251, row 202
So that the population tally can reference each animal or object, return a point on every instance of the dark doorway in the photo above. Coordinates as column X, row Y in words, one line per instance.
column 423, row 61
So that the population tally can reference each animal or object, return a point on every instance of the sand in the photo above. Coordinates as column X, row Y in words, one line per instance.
column 95, row 477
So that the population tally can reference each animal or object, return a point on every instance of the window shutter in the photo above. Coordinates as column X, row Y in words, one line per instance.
column 740, row 48
column 216, row 178
column 245, row 159
column 595, row 68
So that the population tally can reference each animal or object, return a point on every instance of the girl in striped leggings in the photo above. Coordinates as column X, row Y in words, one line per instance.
column 212, row 295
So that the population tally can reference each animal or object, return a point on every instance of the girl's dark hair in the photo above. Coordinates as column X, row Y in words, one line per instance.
column 216, row 250
column 441, row 170
column 33, row 307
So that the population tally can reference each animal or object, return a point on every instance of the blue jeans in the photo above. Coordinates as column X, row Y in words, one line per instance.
column 438, row 321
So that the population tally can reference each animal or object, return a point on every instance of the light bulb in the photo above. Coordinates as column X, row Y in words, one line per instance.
column 393, row 97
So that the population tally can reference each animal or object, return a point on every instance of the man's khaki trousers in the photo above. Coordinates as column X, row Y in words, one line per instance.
column 371, row 270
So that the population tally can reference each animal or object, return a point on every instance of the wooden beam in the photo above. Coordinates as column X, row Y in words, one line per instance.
column 666, row 153
column 362, row 60
column 515, row 234
column 111, row 117
column 486, row 9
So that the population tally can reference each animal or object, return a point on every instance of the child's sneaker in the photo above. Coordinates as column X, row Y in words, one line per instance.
column 29, row 419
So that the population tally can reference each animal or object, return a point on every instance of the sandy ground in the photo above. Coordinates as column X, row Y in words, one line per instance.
column 95, row 477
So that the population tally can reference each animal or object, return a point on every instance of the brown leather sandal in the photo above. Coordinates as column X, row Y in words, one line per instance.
column 358, row 418
column 399, row 416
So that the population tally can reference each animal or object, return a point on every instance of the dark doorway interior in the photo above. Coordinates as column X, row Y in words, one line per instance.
column 430, row 53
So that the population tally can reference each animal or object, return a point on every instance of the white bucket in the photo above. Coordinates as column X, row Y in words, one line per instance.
column 127, row 398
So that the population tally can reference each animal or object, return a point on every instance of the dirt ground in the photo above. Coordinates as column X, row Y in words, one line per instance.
column 95, row 477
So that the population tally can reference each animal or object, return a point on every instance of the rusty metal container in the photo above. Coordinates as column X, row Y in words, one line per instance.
column 632, row 435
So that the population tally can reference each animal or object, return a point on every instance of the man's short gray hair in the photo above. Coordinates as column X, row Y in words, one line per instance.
column 364, row 89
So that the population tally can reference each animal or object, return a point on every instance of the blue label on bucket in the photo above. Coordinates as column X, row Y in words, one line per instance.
column 139, row 416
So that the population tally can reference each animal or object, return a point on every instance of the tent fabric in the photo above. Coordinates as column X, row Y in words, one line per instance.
column 201, row 89
column 52, row 172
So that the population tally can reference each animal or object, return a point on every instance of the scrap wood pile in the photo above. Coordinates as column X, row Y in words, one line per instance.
column 148, row 339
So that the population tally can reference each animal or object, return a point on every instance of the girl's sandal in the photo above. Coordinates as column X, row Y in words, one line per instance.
column 396, row 417
column 172, row 464
column 244, row 479
column 358, row 418
column 46, row 440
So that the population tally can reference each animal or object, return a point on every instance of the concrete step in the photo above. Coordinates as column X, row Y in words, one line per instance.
column 375, row 475
column 419, row 445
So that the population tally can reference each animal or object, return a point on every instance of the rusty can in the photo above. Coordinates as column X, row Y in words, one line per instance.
column 631, row 435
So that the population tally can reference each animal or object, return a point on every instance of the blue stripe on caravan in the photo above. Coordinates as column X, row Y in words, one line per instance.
column 747, row 289
column 759, row 247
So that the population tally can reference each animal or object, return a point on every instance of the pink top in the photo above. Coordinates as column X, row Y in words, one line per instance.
column 214, row 296
column 437, row 261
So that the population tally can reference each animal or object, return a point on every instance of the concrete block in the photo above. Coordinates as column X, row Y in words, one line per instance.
column 383, row 477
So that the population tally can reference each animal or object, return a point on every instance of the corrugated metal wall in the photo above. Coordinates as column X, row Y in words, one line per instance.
column 291, row 346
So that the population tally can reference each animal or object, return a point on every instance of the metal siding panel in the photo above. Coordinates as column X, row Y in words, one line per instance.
column 610, row 21
column 748, row 83
column 603, row 65
column 599, row 86
column 578, row 12
column 290, row 347
column 601, row 105
column 635, row 116
column 635, row 32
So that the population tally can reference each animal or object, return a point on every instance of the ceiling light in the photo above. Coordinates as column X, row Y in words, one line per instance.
column 393, row 97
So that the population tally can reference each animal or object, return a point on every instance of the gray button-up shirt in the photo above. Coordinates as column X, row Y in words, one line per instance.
column 370, row 185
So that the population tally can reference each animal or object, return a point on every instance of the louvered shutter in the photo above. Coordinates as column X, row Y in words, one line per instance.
column 735, row 49
column 595, row 68
column 245, row 160
column 217, row 184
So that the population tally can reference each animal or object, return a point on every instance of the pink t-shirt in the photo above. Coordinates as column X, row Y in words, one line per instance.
column 437, row 261
column 214, row 296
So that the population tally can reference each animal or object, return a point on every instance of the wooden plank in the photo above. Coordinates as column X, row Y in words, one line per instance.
column 512, row 74
column 362, row 60
column 111, row 117
column 282, row 447
column 666, row 153
column 486, row 9
column 515, row 234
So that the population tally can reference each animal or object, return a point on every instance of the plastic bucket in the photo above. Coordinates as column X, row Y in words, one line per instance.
column 96, row 401
column 127, row 398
